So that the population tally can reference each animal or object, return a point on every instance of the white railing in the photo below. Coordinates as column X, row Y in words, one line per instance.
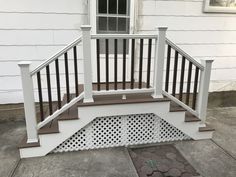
column 156, row 89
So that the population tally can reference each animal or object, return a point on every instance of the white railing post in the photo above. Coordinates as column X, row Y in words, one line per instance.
column 29, row 103
column 86, row 40
column 159, row 62
column 203, row 90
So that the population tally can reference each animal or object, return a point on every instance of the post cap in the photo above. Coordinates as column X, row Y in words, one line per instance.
column 24, row 63
column 85, row 27
column 207, row 60
column 162, row 28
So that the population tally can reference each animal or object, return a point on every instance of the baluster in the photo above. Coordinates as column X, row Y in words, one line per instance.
column 168, row 68
column 182, row 79
column 40, row 96
column 195, row 87
column 124, row 63
column 107, row 64
column 67, row 77
column 132, row 64
column 189, row 82
column 115, row 64
column 140, row 64
column 175, row 73
column 76, row 72
column 58, row 84
column 49, row 89
column 98, row 65
column 149, row 62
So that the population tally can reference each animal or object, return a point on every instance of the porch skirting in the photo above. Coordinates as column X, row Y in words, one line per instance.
column 114, row 131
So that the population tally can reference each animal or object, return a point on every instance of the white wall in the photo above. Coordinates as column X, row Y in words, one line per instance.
column 202, row 35
column 34, row 30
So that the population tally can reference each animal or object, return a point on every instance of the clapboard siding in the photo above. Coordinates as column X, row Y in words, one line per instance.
column 37, row 37
column 50, row 6
column 202, row 35
column 34, row 31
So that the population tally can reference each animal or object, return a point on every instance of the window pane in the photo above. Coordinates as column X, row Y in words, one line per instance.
column 102, row 23
column 122, row 24
column 122, row 6
column 112, row 23
column 112, row 6
column 102, row 6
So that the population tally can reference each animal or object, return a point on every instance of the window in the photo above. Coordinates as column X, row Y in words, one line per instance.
column 113, row 16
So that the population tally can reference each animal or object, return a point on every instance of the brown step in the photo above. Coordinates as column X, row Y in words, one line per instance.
column 205, row 129
column 190, row 117
column 175, row 107
column 24, row 144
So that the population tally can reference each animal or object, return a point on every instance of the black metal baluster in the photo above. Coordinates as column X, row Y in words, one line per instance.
column 67, row 78
column 98, row 65
column 140, row 64
column 58, row 84
column 189, row 82
column 107, row 64
column 115, row 64
column 49, row 89
column 124, row 63
column 182, row 79
column 195, row 88
column 76, row 72
column 168, row 68
column 175, row 73
column 149, row 62
column 40, row 96
column 132, row 64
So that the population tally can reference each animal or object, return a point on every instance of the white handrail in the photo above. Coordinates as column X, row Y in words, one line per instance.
column 54, row 57
column 60, row 111
column 180, row 103
column 123, row 36
column 187, row 56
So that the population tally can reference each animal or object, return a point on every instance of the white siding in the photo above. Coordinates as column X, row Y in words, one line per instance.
column 202, row 35
column 34, row 30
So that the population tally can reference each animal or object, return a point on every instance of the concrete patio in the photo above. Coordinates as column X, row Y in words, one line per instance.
column 211, row 158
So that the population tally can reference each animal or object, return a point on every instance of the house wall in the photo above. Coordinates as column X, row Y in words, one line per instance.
column 202, row 35
column 35, row 30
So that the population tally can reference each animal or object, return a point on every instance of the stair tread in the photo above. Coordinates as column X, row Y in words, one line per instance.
column 24, row 144
column 117, row 99
column 206, row 128
column 190, row 117
column 175, row 107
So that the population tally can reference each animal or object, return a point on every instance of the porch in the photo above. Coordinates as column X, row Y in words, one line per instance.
column 167, row 82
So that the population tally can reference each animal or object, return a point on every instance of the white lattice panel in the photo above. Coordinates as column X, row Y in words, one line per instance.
column 122, row 131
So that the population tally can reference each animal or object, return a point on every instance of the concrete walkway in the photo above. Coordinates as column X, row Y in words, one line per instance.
column 211, row 158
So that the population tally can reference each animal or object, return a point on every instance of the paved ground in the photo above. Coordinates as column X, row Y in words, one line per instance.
column 211, row 158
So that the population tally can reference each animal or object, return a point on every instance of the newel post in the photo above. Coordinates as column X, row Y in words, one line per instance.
column 29, row 102
column 86, row 39
column 159, row 62
column 203, row 90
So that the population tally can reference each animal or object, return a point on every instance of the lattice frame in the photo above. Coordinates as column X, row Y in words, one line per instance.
column 114, row 131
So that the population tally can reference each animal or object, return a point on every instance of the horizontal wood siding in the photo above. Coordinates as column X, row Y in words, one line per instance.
column 34, row 31
column 202, row 35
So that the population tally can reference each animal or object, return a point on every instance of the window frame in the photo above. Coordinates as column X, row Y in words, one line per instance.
column 108, row 15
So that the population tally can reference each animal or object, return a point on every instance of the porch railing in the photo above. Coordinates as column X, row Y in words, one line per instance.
column 122, row 73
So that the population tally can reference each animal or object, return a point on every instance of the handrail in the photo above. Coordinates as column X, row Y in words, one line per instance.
column 54, row 57
column 60, row 111
column 122, row 36
column 187, row 56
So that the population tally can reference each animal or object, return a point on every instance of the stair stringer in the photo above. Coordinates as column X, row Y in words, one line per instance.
column 87, row 114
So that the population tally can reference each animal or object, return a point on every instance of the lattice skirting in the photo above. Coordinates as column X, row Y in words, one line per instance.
column 126, row 130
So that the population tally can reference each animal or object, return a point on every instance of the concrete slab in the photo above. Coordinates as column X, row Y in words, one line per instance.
column 11, row 134
column 224, row 122
column 209, row 159
column 112, row 162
